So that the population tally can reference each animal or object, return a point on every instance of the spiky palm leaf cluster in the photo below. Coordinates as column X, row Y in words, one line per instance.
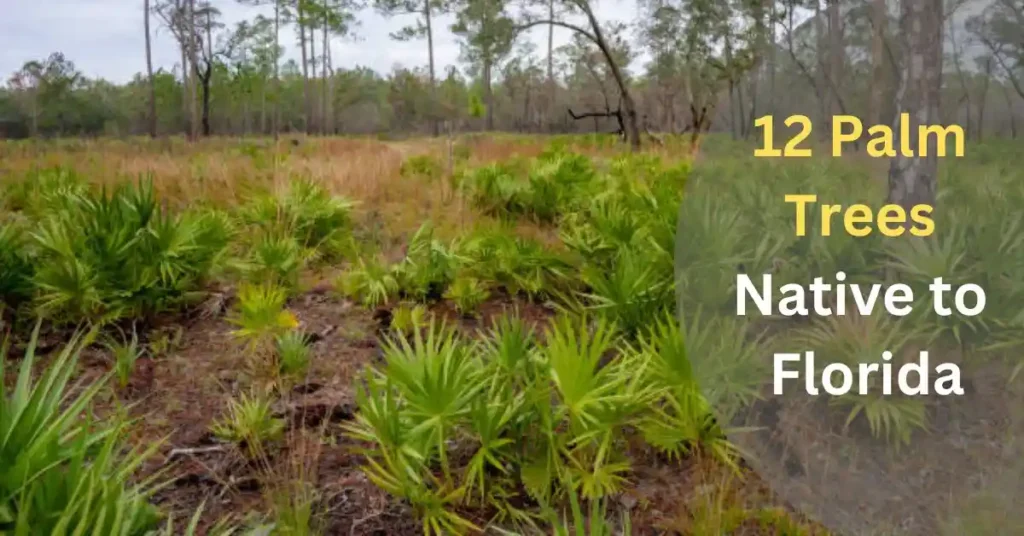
column 454, row 424
column 61, row 473
column 291, row 229
column 108, row 254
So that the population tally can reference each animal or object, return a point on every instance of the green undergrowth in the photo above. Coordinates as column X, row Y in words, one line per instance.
column 73, row 253
column 521, row 428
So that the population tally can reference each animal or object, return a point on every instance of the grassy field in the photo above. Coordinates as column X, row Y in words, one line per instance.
column 350, row 336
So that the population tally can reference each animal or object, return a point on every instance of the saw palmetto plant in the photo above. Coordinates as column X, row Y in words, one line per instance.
column 521, row 266
column 119, row 253
column 16, row 267
column 371, row 282
column 429, row 266
column 249, row 423
column 862, row 339
column 261, row 316
column 293, row 353
column 524, row 415
column 467, row 293
column 305, row 211
column 61, row 471
column 630, row 293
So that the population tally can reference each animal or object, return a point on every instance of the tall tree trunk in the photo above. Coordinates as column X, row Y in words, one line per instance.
column 551, row 66
column 323, row 71
column 912, row 179
column 879, row 23
column 526, row 107
column 987, row 72
column 205, row 79
column 186, row 106
column 208, row 78
column 149, row 71
column 246, row 103
column 194, row 59
column 332, row 120
column 314, row 120
column 741, row 108
column 263, row 109
column 488, row 94
column 1009, row 111
column 186, row 70
column 277, row 79
column 307, row 104
column 435, row 124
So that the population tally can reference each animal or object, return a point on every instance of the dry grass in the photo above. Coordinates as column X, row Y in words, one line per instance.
column 226, row 171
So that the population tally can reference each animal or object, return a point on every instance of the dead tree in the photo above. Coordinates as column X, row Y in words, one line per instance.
column 616, row 113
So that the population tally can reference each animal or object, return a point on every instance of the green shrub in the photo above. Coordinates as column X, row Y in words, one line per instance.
column 261, row 316
column 16, row 265
column 630, row 293
column 61, row 473
column 429, row 266
column 567, row 404
column 276, row 258
column 468, row 294
column 249, row 423
column 408, row 316
column 370, row 282
column 308, row 213
column 518, row 265
column 124, row 354
column 293, row 353
column 119, row 254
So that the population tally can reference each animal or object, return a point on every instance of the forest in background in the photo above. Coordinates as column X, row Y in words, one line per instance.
column 683, row 65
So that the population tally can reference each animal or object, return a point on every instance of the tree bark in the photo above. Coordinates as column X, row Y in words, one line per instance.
column 186, row 106
column 435, row 124
column 307, row 103
column 149, row 71
column 314, row 119
column 204, row 78
column 1009, row 111
column 208, row 75
column 488, row 94
column 912, row 179
column 263, row 109
column 329, row 103
column 194, row 58
column 323, row 71
column 179, row 29
column 551, row 64
column 987, row 72
column 277, row 80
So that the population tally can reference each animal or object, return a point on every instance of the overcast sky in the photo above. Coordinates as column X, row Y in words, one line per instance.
column 104, row 38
